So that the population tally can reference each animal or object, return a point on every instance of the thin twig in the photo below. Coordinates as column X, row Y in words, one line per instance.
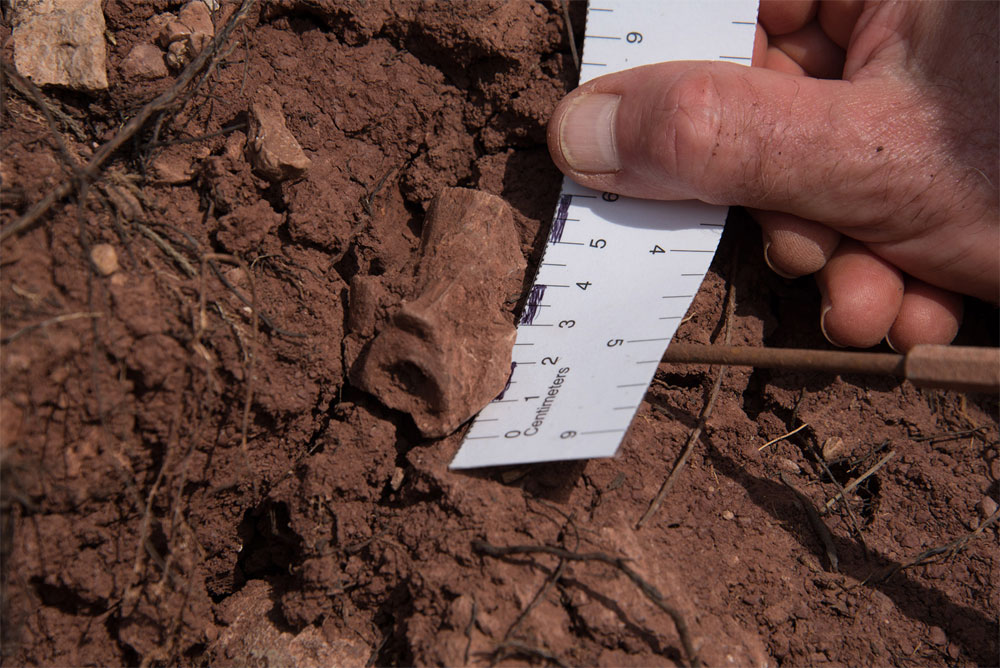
column 569, row 34
column 251, row 353
column 950, row 436
column 193, row 140
column 511, row 648
column 45, row 323
column 817, row 523
column 468, row 632
column 857, row 481
column 162, row 102
column 651, row 592
column 950, row 548
column 165, row 246
column 549, row 581
column 784, row 436
column 840, row 488
column 27, row 88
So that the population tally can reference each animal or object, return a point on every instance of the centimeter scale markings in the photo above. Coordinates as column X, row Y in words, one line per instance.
column 617, row 275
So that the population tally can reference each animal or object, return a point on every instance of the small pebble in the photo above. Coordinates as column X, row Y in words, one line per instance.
column 833, row 447
column 936, row 635
column 986, row 507
column 105, row 259
column 728, row 515
column 787, row 465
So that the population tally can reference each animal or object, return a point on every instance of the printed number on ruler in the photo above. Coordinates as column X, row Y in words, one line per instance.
column 617, row 275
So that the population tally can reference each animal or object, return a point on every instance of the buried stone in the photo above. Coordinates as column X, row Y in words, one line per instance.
column 446, row 351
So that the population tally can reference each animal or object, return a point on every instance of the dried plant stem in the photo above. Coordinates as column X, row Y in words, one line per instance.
column 651, row 592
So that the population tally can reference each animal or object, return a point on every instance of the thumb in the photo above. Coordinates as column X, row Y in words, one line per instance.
column 725, row 134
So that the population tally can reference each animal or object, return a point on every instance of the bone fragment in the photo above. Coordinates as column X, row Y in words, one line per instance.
column 446, row 351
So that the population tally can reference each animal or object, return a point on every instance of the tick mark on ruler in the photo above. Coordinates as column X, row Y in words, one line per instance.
column 552, row 264
column 559, row 222
column 693, row 274
column 649, row 362
column 599, row 37
column 677, row 296
column 524, row 344
column 735, row 58
column 478, row 438
column 624, row 408
column 633, row 385
column 595, row 64
column 534, row 302
column 569, row 243
column 595, row 9
column 487, row 419
column 671, row 317
column 692, row 250
column 712, row 224
column 601, row 431
column 745, row 23
column 665, row 338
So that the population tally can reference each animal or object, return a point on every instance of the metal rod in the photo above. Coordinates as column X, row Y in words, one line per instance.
column 950, row 367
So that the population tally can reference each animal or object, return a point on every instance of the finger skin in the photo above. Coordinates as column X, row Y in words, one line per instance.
column 813, row 51
column 795, row 246
column 783, row 16
column 729, row 134
column 838, row 19
column 927, row 315
column 865, row 158
column 862, row 295
column 779, row 61
column 759, row 47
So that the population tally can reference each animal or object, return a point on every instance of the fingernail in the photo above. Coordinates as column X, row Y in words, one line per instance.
column 587, row 134
column 822, row 327
column 767, row 260
column 888, row 342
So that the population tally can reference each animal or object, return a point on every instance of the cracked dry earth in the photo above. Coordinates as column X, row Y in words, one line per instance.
column 140, row 529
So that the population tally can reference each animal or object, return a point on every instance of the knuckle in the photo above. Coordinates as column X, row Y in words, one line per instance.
column 693, row 139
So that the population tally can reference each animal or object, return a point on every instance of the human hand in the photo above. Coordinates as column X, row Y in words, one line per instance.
column 864, row 141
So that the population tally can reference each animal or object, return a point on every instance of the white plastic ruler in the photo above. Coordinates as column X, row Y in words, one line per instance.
column 618, row 274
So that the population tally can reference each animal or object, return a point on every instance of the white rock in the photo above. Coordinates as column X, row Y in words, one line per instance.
column 61, row 42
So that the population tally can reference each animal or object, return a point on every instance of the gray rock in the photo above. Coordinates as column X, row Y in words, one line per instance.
column 61, row 43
